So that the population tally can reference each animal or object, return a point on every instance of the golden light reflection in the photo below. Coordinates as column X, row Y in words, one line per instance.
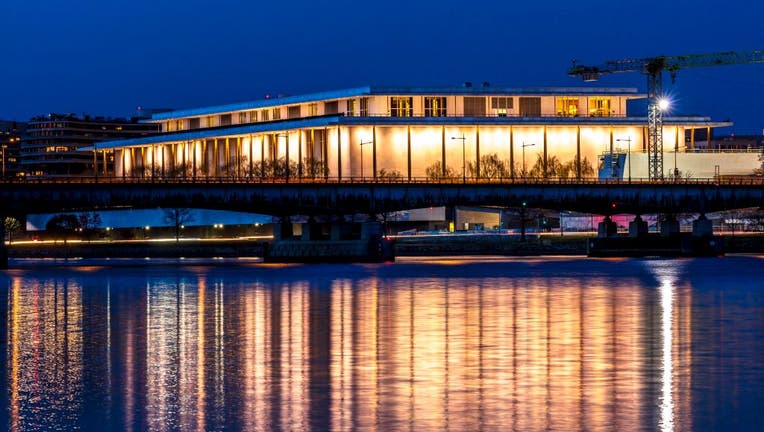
column 368, row 353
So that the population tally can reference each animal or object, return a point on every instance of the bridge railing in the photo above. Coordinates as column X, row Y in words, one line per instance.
column 722, row 180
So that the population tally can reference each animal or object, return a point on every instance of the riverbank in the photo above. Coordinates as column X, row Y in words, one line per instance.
column 415, row 245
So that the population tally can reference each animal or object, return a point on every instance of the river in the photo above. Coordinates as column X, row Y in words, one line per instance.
column 526, row 344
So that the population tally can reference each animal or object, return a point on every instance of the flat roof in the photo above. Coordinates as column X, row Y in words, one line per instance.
column 379, row 91
column 334, row 120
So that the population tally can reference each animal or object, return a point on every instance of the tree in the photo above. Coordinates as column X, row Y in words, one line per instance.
column 89, row 223
column 12, row 226
column 177, row 218
column 312, row 168
column 389, row 175
column 491, row 167
column 435, row 172
column 63, row 224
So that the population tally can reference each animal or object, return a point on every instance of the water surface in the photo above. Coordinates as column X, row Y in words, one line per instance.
column 505, row 344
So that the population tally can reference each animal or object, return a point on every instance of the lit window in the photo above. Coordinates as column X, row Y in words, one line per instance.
column 179, row 125
column 600, row 107
column 264, row 115
column 350, row 107
column 500, row 105
column 293, row 111
column 242, row 117
column 170, row 126
column 277, row 113
column 567, row 106
column 312, row 110
column 435, row 106
column 210, row 121
column 252, row 116
column 401, row 106
column 363, row 108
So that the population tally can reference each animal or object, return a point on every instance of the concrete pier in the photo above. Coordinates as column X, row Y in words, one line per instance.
column 607, row 228
column 702, row 227
column 669, row 226
column 637, row 227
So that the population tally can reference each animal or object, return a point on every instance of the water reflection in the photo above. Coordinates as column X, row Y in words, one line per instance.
column 521, row 346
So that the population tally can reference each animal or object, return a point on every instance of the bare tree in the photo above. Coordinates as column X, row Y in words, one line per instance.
column 491, row 167
column 436, row 172
column 177, row 218
column 89, row 223
column 63, row 224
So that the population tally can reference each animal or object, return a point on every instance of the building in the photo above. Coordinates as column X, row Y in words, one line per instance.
column 10, row 147
column 52, row 145
column 416, row 133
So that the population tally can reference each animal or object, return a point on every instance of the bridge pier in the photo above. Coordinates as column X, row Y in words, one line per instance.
column 637, row 227
column 702, row 227
column 282, row 229
column 607, row 228
column 669, row 226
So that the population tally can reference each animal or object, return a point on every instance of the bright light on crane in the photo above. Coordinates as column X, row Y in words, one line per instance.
column 653, row 68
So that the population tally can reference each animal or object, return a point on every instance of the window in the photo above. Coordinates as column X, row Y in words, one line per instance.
column 500, row 105
column 363, row 107
column 194, row 123
column 293, row 111
column 312, row 110
column 277, row 113
column 264, row 115
column 252, row 116
column 530, row 106
column 170, row 126
column 474, row 106
column 600, row 107
column 434, row 106
column 567, row 106
column 401, row 106
column 331, row 107
column 242, row 117
column 209, row 121
column 225, row 119
column 350, row 107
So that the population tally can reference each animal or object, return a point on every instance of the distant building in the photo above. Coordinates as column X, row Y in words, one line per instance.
column 420, row 133
column 52, row 142
column 10, row 147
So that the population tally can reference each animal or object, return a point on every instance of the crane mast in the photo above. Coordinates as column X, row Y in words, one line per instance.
column 653, row 67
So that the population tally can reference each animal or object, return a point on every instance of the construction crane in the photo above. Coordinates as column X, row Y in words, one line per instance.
column 653, row 67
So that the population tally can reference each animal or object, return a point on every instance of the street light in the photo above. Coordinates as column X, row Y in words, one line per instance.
column 628, row 153
column 464, row 160
column 524, row 146
column 363, row 143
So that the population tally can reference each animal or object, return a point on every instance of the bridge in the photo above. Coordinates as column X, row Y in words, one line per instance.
column 355, row 195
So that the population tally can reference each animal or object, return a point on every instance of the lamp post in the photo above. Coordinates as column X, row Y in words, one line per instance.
column 628, row 152
column 525, row 174
column 464, row 159
column 363, row 143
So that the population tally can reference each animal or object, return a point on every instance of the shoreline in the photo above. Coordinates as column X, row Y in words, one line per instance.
column 248, row 251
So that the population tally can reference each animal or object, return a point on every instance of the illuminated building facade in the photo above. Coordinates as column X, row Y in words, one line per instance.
column 407, row 133
column 53, row 142
column 10, row 147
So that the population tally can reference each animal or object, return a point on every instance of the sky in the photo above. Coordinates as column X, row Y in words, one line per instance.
column 107, row 57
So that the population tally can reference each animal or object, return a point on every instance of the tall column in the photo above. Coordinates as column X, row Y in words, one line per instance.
column 578, row 152
column 299, row 153
column 339, row 154
column 546, row 173
column 692, row 138
column 443, row 151
column 374, row 151
column 477, row 151
column 408, row 152
column 511, row 153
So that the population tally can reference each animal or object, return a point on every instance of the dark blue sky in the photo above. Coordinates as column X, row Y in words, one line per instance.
column 109, row 56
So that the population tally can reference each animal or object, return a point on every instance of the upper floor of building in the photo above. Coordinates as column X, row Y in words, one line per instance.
column 466, row 101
